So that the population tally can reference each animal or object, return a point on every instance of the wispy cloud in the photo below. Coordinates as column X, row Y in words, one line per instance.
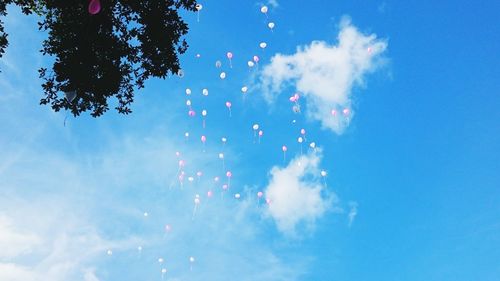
column 326, row 74
column 296, row 193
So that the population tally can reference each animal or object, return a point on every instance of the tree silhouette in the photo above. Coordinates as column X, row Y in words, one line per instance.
column 105, row 55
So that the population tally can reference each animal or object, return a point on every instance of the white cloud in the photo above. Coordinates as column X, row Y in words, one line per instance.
column 326, row 74
column 297, row 194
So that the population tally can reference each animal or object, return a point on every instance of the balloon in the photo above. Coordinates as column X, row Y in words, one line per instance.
column 109, row 252
column 256, row 59
column 209, row 194
column 268, row 201
column 188, row 102
column 222, row 75
column 218, row 64
column 261, row 133
column 224, row 186
column 296, row 109
column 312, row 144
column 177, row 153
column 284, row 148
column 250, row 63
column 334, row 113
column 186, row 134
column 244, row 89
column 228, row 104
column 203, row 139
column 180, row 73
column 229, row 174
column 199, row 7
column 237, row 196
column 223, row 140
column 346, row 111
column 188, row 91
column 190, row 179
column 168, row 228
column 260, row 194
column 205, row 92
column 296, row 96
column 160, row 260
column 191, row 259
column 204, row 112
column 146, row 214
column 94, row 7
column 221, row 155
column 199, row 174
column 197, row 201
column 369, row 50
column 255, row 127
column 300, row 139
column 292, row 99
column 163, row 270
column 302, row 131
column 198, row 56
column 139, row 248
column 271, row 25
column 263, row 45
column 181, row 163
column 70, row 96
column 323, row 173
column 216, row 179
column 191, row 113
column 263, row 9
column 229, row 55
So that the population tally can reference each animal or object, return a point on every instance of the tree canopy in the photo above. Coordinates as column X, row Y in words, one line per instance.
column 109, row 54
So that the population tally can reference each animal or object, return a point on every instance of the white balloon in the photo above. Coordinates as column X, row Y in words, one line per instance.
column 244, row 89
column 186, row 134
column 180, row 73
column 264, row 9
column 191, row 259
column 237, row 196
column 222, row 75
column 109, row 252
column 218, row 64
column 188, row 102
column 163, row 270
column 300, row 139
column 146, row 214
column 312, row 144
column 160, row 260
column 204, row 112
column 188, row 91
column 323, row 173
column 255, row 127
column 205, row 92
column 199, row 7
column 221, row 155
column 263, row 45
column 250, row 63
column 271, row 25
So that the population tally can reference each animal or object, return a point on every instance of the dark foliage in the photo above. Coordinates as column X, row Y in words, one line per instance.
column 105, row 55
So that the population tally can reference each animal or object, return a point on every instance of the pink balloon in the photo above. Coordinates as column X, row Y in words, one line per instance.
column 261, row 133
column 94, row 7
column 191, row 113
column 284, row 148
column 296, row 96
column 303, row 131
column 260, row 194
column 182, row 163
column 225, row 186
column 209, row 194
column 177, row 153
column 268, row 201
column 203, row 139
column 334, row 113
column 229, row 174
column 293, row 99
column 256, row 59
column 346, row 111
column 228, row 104
column 229, row 55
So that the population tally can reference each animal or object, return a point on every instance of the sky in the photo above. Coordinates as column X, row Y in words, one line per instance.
column 394, row 176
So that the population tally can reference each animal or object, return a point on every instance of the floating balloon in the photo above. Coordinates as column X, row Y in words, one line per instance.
column 70, row 96
column 146, row 214
column 216, row 179
column 250, row 64
column 346, row 111
column 188, row 91
column 271, row 25
column 210, row 194
column 300, row 139
column 168, row 228
column 255, row 127
column 218, row 64
column 256, row 59
column 94, row 7
column 296, row 109
column 222, row 75
column 229, row 55
column 260, row 194
column 244, row 89
column 180, row 73
column 196, row 203
column 109, row 252
column 237, row 196
column 261, row 133
column 190, row 179
column 302, row 132
column 224, row 140
column 188, row 103
column 160, row 260
column 191, row 261
column 263, row 45
column 186, row 135
column 229, row 105
column 284, row 149
column 199, row 7
column 191, row 113
column 221, row 155
column 203, row 139
column 264, row 9
column 205, row 92
column 323, row 173
column 198, row 56
column 163, row 272
column 312, row 145
column 204, row 114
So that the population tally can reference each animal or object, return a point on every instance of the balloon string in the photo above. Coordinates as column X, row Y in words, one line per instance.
column 194, row 212
column 198, row 14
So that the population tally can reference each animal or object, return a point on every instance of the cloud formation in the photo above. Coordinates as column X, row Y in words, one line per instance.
column 326, row 74
column 296, row 193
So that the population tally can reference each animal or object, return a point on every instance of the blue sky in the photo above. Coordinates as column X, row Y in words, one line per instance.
column 412, row 184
